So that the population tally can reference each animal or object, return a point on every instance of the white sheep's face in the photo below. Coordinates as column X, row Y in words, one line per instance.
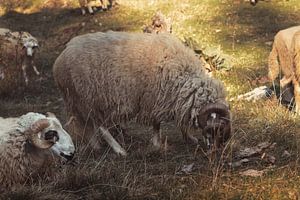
column 30, row 45
column 63, row 145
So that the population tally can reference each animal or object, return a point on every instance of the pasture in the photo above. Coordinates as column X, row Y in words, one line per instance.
column 243, row 32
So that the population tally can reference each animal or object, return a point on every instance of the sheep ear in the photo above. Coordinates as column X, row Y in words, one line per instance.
column 50, row 114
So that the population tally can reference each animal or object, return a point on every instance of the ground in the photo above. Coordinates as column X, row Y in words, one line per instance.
column 241, row 31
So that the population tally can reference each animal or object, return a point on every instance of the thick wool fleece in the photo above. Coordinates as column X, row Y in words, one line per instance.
column 20, row 161
column 113, row 77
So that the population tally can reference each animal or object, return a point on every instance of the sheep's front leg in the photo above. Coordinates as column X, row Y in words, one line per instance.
column 112, row 142
column 89, row 7
column 34, row 68
column 187, row 137
column 103, row 4
column 24, row 67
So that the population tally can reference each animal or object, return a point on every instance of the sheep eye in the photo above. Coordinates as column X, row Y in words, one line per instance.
column 49, row 135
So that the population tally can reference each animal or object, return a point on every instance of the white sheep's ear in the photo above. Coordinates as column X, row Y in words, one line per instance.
column 50, row 114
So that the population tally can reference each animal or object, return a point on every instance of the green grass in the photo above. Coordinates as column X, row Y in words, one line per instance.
column 241, row 31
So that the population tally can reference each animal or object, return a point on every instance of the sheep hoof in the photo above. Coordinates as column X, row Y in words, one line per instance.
column 121, row 152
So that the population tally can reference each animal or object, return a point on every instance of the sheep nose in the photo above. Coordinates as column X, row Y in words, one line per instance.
column 68, row 157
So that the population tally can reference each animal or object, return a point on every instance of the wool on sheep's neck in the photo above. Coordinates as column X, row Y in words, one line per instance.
column 27, row 120
column 186, row 94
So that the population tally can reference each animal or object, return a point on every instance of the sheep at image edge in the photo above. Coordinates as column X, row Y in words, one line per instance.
column 283, row 60
column 27, row 146
column 110, row 78
column 105, row 4
column 20, row 48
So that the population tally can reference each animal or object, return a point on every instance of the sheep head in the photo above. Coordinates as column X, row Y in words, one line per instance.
column 215, row 121
column 30, row 44
column 47, row 133
column 38, row 137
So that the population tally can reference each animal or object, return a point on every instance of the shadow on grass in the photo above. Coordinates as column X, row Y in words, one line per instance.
column 54, row 28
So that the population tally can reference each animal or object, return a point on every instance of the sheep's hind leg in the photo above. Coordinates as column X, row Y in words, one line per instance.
column 112, row 142
column 90, row 9
column 25, row 74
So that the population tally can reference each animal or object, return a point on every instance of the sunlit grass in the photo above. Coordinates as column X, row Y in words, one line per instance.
column 239, row 30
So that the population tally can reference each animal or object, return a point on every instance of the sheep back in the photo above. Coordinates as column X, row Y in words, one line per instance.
column 113, row 77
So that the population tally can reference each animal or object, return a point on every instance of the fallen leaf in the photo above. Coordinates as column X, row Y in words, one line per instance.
column 252, row 151
column 252, row 173
column 187, row 168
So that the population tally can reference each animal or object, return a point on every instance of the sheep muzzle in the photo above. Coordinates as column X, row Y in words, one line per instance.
column 215, row 121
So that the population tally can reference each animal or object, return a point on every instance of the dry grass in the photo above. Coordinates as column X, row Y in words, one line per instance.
column 241, row 31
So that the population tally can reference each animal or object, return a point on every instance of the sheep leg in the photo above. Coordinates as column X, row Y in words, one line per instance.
column 34, row 68
column 297, row 95
column 83, row 11
column 24, row 67
column 112, row 142
column 103, row 4
column 284, row 81
column 90, row 9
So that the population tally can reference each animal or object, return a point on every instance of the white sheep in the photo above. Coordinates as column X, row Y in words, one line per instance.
column 89, row 5
column 110, row 78
column 18, row 51
column 27, row 146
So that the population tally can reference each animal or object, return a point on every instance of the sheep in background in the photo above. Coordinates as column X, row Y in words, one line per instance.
column 159, row 24
column 281, row 58
column 17, row 52
column 27, row 146
column 89, row 4
column 110, row 78
column 296, row 69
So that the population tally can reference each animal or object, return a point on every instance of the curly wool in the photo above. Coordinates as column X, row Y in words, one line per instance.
column 20, row 162
column 114, row 77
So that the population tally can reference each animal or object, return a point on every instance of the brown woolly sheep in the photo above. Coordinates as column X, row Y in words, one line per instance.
column 17, row 52
column 27, row 146
column 110, row 78
column 281, row 58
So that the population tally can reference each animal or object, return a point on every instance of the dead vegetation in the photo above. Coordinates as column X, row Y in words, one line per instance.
column 181, row 171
